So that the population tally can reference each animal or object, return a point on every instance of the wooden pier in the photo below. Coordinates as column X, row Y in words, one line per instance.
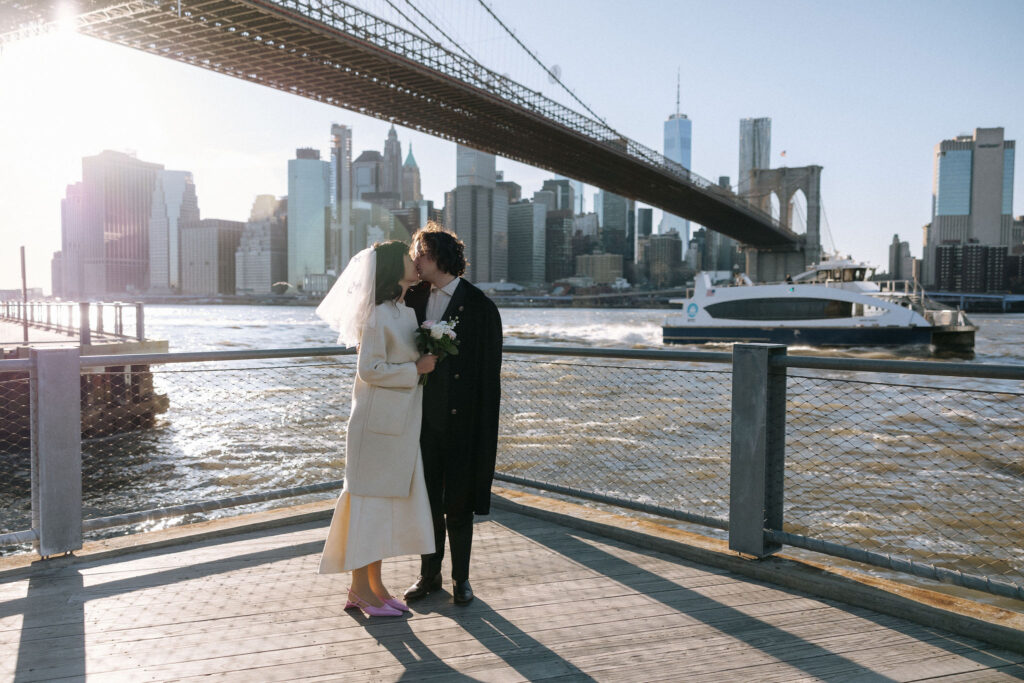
column 598, row 597
column 114, row 398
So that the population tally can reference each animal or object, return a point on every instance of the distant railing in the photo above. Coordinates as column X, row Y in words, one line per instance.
column 846, row 457
column 83, row 320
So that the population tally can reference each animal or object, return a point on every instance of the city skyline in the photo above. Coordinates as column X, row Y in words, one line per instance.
column 871, row 125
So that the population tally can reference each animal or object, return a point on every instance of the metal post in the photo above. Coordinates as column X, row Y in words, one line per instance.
column 140, row 322
column 24, row 297
column 85, row 334
column 99, row 317
column 757, row 467
column 56, row 450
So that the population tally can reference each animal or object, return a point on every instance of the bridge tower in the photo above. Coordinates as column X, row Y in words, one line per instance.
column 766, row 265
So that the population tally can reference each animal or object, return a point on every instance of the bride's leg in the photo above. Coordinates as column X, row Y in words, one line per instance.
column 363, row 583
column 376, row 583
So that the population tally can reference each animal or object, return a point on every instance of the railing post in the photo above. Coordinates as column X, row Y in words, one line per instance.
column 756, row 475
column 140, row 322
column 56, row 450
column 99, row 318
column 85, row 334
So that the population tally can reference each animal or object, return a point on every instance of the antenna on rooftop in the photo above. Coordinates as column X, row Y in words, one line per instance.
column 677, row 89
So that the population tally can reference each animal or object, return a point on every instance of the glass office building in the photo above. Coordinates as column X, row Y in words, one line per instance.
column 972, row 196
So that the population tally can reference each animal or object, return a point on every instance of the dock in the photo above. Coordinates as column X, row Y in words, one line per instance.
column 564, row 593
column 109, row 403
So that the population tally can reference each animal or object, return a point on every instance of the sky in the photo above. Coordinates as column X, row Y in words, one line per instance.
column 865, row 90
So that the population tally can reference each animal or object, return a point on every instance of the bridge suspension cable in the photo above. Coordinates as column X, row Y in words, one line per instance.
column 828, row 229
column 551, row 74
column 454, row 43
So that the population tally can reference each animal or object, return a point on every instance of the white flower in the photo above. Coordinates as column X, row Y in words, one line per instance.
column 451, row 334
column 437, row 331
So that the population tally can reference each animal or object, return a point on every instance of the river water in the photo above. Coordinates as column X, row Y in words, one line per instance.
column 640, row 430
column 1000, row 338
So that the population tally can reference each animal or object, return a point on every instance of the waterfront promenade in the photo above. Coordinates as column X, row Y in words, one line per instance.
column 601, row 597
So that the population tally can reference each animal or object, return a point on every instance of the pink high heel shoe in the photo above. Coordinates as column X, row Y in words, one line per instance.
column 385, row 610
column 397, row 604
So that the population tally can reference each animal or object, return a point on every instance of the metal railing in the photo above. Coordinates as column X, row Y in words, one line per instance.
column 852, row 458
column 84, row 321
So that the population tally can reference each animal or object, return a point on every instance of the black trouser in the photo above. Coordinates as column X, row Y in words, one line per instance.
column 458, row 521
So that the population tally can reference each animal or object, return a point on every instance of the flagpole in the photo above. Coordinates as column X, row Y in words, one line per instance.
column 24, row 299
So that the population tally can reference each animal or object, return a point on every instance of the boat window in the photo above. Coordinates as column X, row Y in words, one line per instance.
column 780, row 309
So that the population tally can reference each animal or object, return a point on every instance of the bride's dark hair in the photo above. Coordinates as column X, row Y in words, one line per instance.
column 390, row 270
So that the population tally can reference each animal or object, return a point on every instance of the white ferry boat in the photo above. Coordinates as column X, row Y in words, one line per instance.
column 833, row 304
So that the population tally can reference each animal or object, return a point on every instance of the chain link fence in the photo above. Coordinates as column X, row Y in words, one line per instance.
column 654, row 435
column 923, row 473
column 15, row 453
column 186, row 433
column 930, row 474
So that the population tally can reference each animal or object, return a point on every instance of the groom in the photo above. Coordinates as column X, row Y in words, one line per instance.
column 459, row 436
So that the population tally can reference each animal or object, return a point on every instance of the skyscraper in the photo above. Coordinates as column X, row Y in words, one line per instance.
column 901, row 263
column 564, row 194
column 174, row 204
column 308, row 210
column 618, row 224
column 262, row 255
column 577, row 193
column 105, row 226
column 526, row 242
column 473, row 167
column 478, row 213
column 755, row 150
column 366, row 174
column 342, row 244
column 411, row 179
column 972, row 195
column 208, row 261
column 391, row 170
column 678, row 146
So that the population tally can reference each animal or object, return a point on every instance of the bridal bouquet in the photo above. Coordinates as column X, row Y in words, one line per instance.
column 437, row 338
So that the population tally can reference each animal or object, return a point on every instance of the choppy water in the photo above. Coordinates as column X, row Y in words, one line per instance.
column 871, row 461
column 1000, row 338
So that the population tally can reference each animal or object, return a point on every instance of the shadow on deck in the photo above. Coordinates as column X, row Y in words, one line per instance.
column 553, row 603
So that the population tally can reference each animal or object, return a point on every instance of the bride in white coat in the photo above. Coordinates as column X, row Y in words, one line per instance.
column 383, row 510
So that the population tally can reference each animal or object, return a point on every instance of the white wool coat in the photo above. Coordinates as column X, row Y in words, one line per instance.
column 383, row 440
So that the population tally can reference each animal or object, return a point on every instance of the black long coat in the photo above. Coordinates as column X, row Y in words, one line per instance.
column 463, row 394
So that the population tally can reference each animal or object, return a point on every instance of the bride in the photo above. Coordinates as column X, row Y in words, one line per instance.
column 383, row 510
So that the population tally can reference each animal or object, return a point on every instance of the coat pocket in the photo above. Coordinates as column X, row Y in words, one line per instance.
column 389, row 410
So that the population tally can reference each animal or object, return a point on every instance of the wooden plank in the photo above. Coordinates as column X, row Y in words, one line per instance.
column 553, row 603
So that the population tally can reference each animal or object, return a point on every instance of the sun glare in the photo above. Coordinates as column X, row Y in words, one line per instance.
column 66, row 18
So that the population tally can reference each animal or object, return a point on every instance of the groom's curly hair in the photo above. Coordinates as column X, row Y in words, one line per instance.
column 444, row 247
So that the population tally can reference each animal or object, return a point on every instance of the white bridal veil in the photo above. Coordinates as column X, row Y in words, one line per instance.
column 349, row 306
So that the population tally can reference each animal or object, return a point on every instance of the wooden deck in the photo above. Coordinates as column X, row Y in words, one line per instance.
column 12, row 334
column 553, row 603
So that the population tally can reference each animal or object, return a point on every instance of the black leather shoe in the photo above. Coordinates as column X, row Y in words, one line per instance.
column 462, row 593
column 423, row 587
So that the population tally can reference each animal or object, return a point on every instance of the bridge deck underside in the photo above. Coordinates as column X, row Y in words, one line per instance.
column 265, row 43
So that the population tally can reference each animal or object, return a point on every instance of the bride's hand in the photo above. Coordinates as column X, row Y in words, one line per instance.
column 426, row 364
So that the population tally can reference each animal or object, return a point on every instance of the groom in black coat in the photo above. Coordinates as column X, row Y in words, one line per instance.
column 459, row 436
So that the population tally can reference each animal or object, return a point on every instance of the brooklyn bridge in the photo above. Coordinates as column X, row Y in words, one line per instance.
column 338, row 54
